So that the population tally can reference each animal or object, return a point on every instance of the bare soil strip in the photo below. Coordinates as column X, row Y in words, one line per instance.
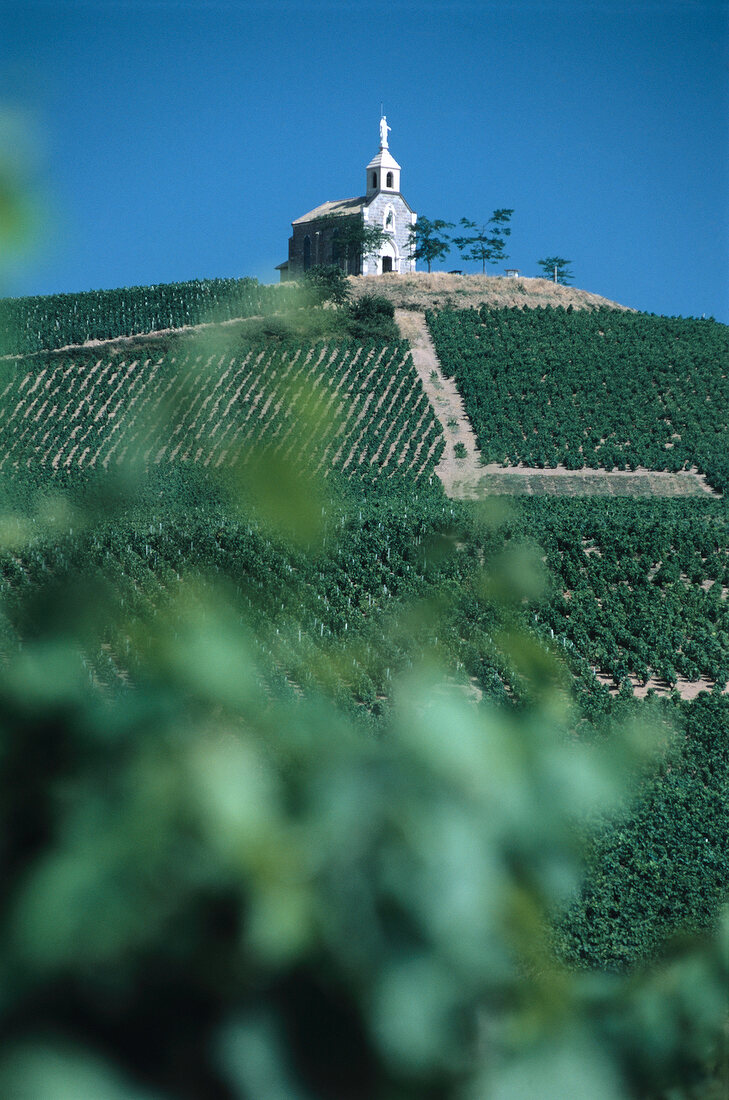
column 447, row 402
column 687, row 689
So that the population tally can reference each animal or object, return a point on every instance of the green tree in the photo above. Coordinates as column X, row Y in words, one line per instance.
column 326, row 283
column 427, row 240
column 356, row 241
column 485, row 243
column 557, row 268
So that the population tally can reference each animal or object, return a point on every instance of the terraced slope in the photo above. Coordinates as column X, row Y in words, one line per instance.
column 606, row 390
column 357, row 410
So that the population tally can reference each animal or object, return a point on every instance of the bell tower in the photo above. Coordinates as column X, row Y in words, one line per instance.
column 383, row 171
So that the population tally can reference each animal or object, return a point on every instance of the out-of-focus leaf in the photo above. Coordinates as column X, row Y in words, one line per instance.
column 39, row 1071
column 416, row 1013
column 253, row 1057
column 569, row 1067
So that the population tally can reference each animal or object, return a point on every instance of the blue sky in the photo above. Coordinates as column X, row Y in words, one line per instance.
column 178, row 138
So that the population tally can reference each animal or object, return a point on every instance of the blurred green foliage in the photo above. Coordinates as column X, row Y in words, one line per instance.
column 213, row 889
column 19, row 212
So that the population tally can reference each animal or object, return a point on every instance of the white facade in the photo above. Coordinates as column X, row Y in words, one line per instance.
column 386, row 207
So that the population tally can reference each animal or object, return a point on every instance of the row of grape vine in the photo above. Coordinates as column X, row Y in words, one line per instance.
column 357, row 410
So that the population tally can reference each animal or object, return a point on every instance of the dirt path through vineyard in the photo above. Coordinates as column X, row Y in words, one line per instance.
column 447, row 403
column 140, row 337
column 466, row 479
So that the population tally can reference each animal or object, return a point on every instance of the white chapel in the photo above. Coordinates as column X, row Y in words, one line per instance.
column 314, row 236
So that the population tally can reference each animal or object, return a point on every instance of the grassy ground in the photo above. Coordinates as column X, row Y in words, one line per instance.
column 588, row 483
column 441, row 290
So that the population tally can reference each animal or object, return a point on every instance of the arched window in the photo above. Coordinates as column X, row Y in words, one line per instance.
column 307, row 252
column 389, row 179
column 374, row 179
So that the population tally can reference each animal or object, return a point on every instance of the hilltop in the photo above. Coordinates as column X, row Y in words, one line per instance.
column 441, row 290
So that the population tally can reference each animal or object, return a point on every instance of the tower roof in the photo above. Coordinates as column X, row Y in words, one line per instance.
column 384, row 159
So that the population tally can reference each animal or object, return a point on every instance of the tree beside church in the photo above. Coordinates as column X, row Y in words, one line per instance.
column 324, row 235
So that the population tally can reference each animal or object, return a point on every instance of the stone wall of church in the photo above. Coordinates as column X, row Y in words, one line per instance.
column 320, row 247
column 376, row 212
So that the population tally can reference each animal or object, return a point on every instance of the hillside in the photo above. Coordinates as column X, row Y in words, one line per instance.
column 546, row 401
column 265, row 673
column 62, row 322
column 534, row 387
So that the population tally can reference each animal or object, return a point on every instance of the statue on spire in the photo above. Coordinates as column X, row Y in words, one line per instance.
column 383, row 132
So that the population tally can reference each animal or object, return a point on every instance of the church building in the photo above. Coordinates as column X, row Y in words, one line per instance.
column 318, row 236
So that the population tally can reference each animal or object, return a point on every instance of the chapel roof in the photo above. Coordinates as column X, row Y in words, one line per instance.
column 337, row 206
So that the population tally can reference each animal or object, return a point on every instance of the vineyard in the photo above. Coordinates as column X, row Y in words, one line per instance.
column 636, row 591
column 46, row 322
column 302, row 608
column 639, row 588
column 601, row 389
column 348, row 409
column 333, row 621
column 147, row 585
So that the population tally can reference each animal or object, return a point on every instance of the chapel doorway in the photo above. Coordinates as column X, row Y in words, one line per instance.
column 386, row 264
